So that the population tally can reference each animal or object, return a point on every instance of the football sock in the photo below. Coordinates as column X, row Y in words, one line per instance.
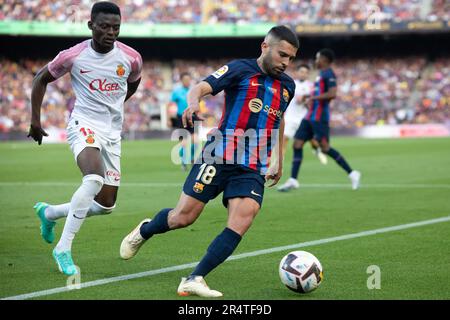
column 192, row 152
column 296, row 162
column 97, row 209
column 181, row 154
column 55, row 212
column 184, row 155
column 218, row 251
column 159, row 224
column 79, row 206
column 333, row 153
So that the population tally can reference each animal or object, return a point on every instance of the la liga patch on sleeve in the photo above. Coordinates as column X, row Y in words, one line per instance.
column 220, row 72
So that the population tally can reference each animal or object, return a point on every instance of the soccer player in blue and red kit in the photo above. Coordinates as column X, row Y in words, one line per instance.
column 235, row 160
column 315, row 125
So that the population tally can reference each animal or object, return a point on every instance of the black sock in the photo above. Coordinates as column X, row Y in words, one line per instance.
column 158, row 224
column 296, row 162
column 218, row 251
column 333, row 153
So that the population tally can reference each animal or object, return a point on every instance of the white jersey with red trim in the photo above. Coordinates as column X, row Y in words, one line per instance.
column 99, row 82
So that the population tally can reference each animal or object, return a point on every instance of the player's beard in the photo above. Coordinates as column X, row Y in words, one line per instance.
column 268, row 65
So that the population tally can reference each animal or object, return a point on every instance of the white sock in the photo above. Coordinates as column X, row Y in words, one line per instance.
column 57, row 211
column 97, row 209
column 79, row 206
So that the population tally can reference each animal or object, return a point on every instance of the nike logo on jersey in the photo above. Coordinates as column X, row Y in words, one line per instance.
column 255, row 84
column 255, row 194
column 84, row 71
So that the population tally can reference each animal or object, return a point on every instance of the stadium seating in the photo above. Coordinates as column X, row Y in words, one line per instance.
column 233, row 11
column 370, row 91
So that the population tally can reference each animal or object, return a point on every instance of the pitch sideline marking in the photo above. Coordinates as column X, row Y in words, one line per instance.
column 234, row 257
column 177, row 184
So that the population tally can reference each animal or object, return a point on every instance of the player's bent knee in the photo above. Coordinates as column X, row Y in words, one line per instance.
column 298, row 144
column 93, row 182
column 325, row 147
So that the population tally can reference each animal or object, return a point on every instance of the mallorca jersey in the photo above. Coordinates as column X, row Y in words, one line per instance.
column 297, row 111
column 254, row 106
column 320, row 109
column 100, row 83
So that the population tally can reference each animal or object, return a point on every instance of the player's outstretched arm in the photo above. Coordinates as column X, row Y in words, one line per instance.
column 39, row 86
column 197, row 92
column 132, row 87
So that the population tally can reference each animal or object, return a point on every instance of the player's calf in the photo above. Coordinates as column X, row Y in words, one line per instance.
column 79, row 206
column 182, row 219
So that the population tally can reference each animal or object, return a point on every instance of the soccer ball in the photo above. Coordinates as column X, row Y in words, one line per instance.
column 301, row 271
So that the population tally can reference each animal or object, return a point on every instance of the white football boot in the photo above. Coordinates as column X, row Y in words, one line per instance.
column 198, row 287
column 321, row 156
column 132, row 242
column 355, row 177
column 290, row 184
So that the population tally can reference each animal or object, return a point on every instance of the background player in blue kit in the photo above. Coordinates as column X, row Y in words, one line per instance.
column 179, row 97
column 315, row 125
column 257, row 93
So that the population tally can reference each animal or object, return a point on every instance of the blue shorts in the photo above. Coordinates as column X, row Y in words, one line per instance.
column 207, row 181
column 313, row 129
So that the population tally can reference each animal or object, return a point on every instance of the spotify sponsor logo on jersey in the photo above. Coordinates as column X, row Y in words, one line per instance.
column 256, row 105
column 273, row 111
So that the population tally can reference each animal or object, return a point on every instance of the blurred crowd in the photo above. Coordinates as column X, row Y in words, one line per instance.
column 379, row 91
column 370, row 92
column 233, row 11
column 15, row 92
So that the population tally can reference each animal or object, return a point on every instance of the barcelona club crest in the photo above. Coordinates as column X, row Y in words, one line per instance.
column 285, row 95
column 90, row 139
column 120, row 70
column 198, row 187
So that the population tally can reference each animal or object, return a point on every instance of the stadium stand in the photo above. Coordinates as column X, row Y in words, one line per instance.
column 233, row 11
column 371, row 91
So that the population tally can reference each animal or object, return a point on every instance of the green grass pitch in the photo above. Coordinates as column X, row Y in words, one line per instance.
column 403, row 181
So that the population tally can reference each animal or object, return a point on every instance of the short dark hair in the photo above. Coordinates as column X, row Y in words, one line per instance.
column 285, row 33
column 104, row 7
column 184, row 74
column 327, row 53
column 304, row 65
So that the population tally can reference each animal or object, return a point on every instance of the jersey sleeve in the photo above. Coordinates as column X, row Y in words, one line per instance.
column 136, row 68
column 330, row 80
column 291, row 90
column 224, row 77
column 63, row 62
